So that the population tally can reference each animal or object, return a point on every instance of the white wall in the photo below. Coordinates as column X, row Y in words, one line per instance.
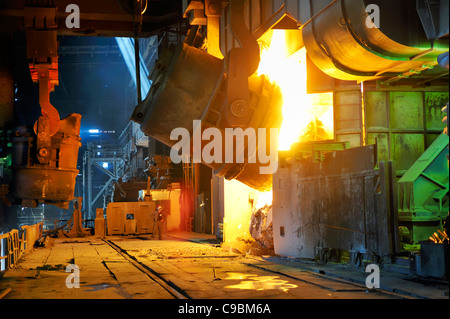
column 286, row 214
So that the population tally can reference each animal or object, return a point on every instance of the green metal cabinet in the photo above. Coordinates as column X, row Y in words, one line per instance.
column 407, row 128
column 423, row 192
column 403, row 124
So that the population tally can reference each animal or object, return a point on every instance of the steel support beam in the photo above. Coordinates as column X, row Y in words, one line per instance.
column 89, row 161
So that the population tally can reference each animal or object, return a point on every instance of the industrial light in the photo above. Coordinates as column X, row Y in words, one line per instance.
column 93, row 131
column 105, row 165
column 126, row 46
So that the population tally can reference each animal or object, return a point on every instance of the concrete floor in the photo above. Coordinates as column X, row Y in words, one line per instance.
column 187, row 265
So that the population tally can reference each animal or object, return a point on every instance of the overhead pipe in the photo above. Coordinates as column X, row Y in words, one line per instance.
column 137, row 69
column 341, row 43
column 137, row 22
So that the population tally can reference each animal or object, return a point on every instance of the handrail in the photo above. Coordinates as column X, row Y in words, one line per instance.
column 14, row 244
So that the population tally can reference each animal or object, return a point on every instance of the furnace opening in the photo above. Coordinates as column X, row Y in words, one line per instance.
column 306, row 117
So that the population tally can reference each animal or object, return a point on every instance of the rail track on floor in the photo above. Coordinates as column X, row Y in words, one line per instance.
column 174, row 290
column 315, row 280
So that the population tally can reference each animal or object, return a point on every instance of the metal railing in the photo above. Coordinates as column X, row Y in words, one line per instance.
column 14, row 244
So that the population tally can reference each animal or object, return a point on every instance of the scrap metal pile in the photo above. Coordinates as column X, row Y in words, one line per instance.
column 261, row 229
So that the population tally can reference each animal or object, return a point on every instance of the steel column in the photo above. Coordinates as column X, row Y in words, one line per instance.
column 6, row 82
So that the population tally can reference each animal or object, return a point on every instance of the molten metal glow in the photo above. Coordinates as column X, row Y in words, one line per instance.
column 263, row 199
column 305, row 116
column 258, row 283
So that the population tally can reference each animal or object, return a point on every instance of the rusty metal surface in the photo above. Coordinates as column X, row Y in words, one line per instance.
column 260, row 16
column 338, row 41
column 142, row 218
column 14, row 244
column 53, row 182
column 44, row 184
column 184, row 79
column 100, row 223
column 342, row 203
column 42, row 55
column 189, row 85
column 77, row 229
column 102, row 17
column 30, row 234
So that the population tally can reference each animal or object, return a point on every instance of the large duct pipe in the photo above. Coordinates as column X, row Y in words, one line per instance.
column 345, row 44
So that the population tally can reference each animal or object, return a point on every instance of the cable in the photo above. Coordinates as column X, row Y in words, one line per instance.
column 129, row 10
column 145, row 9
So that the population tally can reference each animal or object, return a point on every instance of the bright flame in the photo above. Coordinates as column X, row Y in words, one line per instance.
column 306, row 117
column 263, row 199
column 301, row 111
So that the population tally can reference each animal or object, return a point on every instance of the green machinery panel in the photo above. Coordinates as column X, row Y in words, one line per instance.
column 423, row 193
column 403, row 124
column 407, row 128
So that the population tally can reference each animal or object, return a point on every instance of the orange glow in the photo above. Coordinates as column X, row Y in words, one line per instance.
column 305, row 116
column 262, row 199
column 258, row 283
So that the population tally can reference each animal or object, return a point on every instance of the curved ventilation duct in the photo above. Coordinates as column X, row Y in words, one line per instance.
column 344, row 43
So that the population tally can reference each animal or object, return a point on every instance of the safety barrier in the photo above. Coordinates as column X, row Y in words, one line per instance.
column 13, row 245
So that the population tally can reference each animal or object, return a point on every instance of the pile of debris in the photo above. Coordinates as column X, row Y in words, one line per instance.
column 436, row 236
column 258, row 241
column 261, row 230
